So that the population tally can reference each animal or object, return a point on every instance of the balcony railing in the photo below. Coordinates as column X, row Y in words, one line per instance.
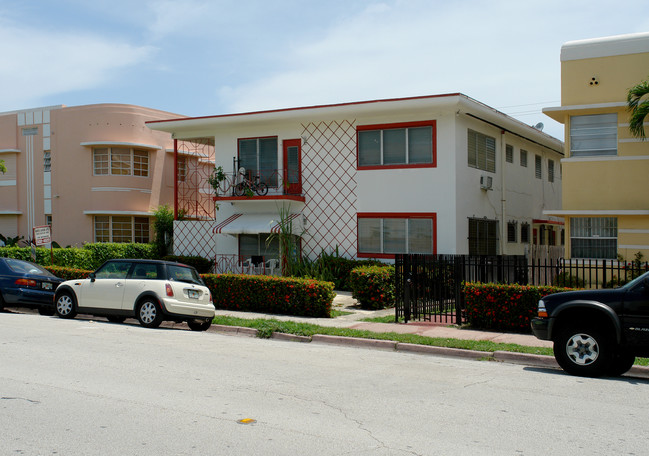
column 254, row 265
column 278, row 182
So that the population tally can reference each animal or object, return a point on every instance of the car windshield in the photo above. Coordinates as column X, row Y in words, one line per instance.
column 637, row 281
column 25, row 267
column 184, row 274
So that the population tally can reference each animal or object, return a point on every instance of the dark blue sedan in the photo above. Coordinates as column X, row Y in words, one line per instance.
column 25, row 284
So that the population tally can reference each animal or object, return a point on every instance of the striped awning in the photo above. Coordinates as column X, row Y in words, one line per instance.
column 257, row 223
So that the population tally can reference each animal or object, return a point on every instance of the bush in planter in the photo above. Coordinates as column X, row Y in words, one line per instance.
column 373, row 286
column 503, row 307
column 273, row 295
column 68, row 273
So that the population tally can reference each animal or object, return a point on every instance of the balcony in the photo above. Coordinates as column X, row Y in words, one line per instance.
column 273, row 184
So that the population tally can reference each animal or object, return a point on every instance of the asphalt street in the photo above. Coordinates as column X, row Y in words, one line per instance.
column 84, row 387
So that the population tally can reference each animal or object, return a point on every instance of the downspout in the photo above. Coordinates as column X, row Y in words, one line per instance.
column 503, row 197
column 175, row 179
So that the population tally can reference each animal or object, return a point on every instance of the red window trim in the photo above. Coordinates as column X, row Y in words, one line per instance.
column 391, row 126
column 400, row 215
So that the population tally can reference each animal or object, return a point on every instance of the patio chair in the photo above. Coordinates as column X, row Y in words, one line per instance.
column 272, row 266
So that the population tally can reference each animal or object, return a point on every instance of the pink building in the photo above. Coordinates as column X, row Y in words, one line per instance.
column 94, row 173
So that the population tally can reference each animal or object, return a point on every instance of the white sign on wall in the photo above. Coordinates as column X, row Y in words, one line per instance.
column 42, row 235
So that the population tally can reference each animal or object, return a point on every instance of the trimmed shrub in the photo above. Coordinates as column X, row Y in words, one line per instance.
column 338, row 269
column 202, row 265
column 90, row 256
column 273, row 295
column 507, row 308
column 68, row 273
column 373, row 286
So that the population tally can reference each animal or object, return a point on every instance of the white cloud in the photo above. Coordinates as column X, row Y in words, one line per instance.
column 38, row 63
column 173, row 16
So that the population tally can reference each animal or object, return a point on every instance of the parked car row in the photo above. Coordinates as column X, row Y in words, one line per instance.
column 152, row 291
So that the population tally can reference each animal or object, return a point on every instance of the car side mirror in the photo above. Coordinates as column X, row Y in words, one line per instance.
column 92, row 276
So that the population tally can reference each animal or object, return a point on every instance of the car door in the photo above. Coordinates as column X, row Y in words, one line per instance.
column 142, row 277
column 106, row 291
column 635, row 317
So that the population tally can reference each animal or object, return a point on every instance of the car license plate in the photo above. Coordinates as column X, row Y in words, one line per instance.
column 194, row 294
column 46, row 285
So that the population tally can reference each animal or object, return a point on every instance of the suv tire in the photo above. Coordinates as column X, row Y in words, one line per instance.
column 621, row 362
column 584, row 350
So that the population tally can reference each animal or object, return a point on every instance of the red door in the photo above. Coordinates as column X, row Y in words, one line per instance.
column 292, row 166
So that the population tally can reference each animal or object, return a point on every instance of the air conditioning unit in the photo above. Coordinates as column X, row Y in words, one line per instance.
column 486, row 182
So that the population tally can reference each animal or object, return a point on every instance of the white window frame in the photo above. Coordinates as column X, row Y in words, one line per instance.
column 596, row 231
column 137, row 164
column 111, row 226
column 383, row 231
column 593, row 135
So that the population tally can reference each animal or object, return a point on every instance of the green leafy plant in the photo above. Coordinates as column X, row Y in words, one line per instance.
column 638, row 106
column 499, row 307
column 373, row 286
column 272, row 295
column 11, row 241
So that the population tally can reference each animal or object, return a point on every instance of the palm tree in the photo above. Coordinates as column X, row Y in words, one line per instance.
column 638, row 107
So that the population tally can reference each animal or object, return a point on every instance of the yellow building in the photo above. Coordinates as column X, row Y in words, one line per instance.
column 605, row 199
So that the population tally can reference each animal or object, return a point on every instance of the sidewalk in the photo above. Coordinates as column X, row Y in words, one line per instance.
column 345, row 303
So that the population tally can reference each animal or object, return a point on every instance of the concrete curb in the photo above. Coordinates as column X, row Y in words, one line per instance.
column 290, row 337
column 443, row 351
column 355, row 341
column 527, row 359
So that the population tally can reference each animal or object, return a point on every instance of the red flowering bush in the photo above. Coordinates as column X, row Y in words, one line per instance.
column 508, row 308
column 68, row 273
column 373, row 286
column 273, row 295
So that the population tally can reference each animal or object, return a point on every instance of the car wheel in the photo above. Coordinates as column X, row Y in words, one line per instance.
column 115, row 319
column 621, row 362
column 46, row 311
column 64, row 306
column 149, row 314
column 583, row 351
column 199, row 325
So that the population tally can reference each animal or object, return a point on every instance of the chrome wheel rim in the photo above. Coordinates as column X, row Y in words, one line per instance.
column 64, row 305
column 582, row 349
column 148, row 312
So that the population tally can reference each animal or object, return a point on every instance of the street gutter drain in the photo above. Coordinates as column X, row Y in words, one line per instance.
column 247, row 421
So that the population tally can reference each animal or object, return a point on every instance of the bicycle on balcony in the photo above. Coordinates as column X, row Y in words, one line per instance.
column 248, row 186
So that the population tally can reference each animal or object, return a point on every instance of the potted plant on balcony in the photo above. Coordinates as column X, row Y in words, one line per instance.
column 216, row 178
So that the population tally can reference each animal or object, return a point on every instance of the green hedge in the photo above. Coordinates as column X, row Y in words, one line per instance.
column 68, row 273
column 202, row 265
column 508, row 308
column 90, row 256
column 373, row 286
column 273, row 295
column 338, row 269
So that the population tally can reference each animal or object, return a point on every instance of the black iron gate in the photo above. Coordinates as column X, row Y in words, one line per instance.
column 429, row 287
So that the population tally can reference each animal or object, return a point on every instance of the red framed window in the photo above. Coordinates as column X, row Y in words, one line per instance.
column 383, row 235
column 398, row 145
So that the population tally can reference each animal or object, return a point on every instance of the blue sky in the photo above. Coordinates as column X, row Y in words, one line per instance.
column 199, row 57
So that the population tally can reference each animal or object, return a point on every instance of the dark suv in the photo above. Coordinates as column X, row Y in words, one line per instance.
column 597, row 332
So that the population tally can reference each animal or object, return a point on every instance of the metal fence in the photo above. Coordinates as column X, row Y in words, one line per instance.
column 429, row 287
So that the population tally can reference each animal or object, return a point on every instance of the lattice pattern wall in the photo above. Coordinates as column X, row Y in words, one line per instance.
column 194, row 238
column 329, row 173
column 195, row 165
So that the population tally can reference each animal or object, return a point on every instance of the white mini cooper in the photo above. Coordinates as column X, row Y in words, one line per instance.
column 150, row 290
